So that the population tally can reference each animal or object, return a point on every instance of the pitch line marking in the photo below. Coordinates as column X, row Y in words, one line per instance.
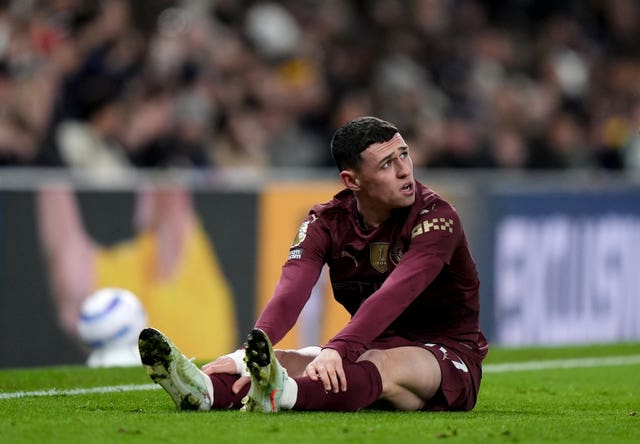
column 551, row 364
column 81, row 391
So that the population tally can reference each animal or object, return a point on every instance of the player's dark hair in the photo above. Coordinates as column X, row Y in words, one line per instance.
column 357, row 135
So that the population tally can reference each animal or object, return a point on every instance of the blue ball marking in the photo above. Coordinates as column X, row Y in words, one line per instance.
column 102, row 342
column 109, row 308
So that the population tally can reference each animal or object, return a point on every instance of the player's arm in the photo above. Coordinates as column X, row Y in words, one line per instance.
column 299, row 275
column 404, row 284
column 418, row 268
column 280, row 314
column 429, row 251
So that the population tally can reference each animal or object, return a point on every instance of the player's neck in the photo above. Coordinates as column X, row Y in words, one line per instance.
column 370, row 216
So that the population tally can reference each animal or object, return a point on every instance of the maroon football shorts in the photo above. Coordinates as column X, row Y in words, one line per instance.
column 461, row 374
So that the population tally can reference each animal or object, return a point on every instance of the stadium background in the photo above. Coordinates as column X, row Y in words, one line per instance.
column 524, row 114
column 557, row 257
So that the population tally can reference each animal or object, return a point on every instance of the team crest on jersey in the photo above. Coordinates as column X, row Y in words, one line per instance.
column 395, row 254
column 378, row 255
column 302, row 231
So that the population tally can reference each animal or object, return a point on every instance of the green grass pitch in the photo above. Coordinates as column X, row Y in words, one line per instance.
column 543, row 395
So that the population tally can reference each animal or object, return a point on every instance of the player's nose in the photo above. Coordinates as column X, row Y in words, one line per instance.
column 404, row 168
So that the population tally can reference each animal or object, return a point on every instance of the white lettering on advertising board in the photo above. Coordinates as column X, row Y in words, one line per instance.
column 562, row 279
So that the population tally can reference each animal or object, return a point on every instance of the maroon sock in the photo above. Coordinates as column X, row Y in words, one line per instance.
column 364, row 388
column 223, row 397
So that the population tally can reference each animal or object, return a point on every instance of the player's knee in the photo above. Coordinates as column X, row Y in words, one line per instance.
column 285, row 357
column 379, row 358
column 392, row 391
column 293, row 361
column 281, row 354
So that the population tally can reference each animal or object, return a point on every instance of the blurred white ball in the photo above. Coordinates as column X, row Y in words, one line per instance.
column 110, row 321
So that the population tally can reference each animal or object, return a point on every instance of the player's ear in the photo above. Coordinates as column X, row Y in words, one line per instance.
column 350, row 180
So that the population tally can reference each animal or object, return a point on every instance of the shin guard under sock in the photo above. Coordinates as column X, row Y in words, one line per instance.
column 364, row 387
column 223, row 397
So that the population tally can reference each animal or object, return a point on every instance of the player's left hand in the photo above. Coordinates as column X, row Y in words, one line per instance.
column 327, row 367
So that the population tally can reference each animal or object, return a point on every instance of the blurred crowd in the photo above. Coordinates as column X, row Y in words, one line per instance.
column 115, row 84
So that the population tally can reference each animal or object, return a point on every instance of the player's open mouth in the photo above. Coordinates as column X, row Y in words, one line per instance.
column 407, row 188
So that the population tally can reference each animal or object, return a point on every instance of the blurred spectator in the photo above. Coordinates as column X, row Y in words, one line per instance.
column 564, row 144
column 261, row 83
column 507, row 149
column 461, row 145
column 90, row 140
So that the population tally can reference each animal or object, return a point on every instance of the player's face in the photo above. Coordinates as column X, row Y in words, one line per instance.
column 385, row 175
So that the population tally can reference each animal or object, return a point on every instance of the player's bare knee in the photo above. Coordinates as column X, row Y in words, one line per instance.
column 379, row 359
column 285, row 357
column 294, row 361
column 281, row 355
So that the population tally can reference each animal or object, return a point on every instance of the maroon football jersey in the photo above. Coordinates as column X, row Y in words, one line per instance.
column 413, row 276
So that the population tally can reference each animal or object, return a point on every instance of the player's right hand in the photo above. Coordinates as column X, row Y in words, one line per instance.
column 227, row 364
column 224, row 364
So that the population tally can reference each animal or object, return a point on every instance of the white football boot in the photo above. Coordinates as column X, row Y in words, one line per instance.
column 189, row 387
column 268, row 377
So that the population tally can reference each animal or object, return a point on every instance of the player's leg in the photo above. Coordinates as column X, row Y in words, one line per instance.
column 410, row 375
column 296, row 360
column 268, row 377
column 272, row 389
column 187, row 385
column 427, row 376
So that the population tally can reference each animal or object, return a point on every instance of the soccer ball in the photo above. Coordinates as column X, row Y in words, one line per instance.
column 110, row 321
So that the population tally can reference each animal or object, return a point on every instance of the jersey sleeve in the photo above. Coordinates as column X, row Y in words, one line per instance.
column 434, row 239
column 299, row 275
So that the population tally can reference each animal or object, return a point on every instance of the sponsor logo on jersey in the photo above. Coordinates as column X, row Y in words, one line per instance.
column 295, row 253
column 350, row 256
column 435, row 224
column 302, row 231
column 378, row 256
